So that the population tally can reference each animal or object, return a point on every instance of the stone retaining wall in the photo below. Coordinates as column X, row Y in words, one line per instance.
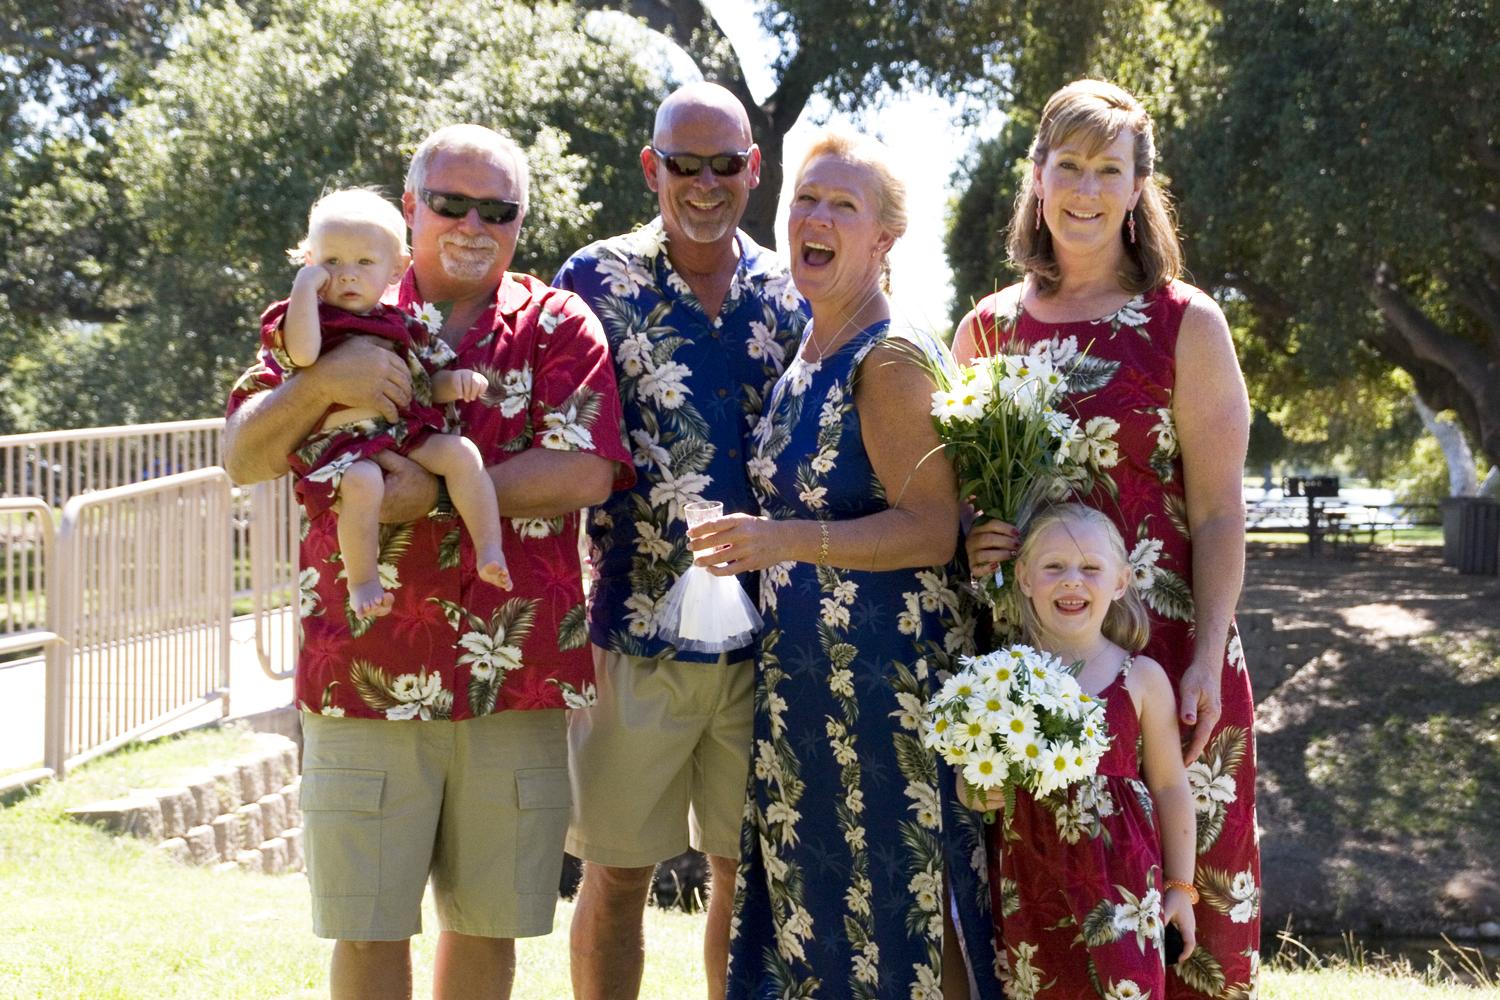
column 243, row 815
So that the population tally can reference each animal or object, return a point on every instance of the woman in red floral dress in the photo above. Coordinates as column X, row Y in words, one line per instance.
column 1155, row 386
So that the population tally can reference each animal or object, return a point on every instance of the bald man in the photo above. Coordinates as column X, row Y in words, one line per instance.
column 701, row 321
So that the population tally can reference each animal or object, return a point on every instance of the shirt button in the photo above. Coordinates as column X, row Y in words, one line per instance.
column 718, row 322
column 723, row 393
column 733, row 453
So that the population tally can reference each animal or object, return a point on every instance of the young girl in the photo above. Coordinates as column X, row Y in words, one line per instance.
column 355, row 248
column 1086, row 884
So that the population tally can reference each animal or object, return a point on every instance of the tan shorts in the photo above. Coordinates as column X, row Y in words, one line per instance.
column 661, row 761
column 480, row 805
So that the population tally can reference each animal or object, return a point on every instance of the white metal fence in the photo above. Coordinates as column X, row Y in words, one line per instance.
column 144, row 612
column 267, row 532
column 119, row 563
column 27, row 533
column 56, row 466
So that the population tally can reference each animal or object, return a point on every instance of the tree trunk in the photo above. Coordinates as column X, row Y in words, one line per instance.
column 760, row 215
column 687, row 22
column 1463, row 477
column 1451, row 370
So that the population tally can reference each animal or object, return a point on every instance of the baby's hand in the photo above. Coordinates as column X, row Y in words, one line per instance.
column 468, row 385
column 313, row 277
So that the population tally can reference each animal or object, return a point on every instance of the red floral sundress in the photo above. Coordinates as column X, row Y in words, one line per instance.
column 1079, row 893
column 1121, row 372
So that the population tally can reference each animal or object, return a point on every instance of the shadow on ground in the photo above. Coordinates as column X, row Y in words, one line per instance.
column 1378, row 687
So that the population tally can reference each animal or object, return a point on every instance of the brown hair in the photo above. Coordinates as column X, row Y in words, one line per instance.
column 1126, row 624
column 1098, row 112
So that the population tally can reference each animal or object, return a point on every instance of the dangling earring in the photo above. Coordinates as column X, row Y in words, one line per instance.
column 1039, row 215
column 1130, row 224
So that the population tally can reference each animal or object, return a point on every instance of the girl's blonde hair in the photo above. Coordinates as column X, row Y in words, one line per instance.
column 1126, row 623
column 359, row 204
column 890, row 189
column 1096, row 112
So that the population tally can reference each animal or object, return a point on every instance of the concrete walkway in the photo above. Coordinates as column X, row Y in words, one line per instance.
column 251, row 693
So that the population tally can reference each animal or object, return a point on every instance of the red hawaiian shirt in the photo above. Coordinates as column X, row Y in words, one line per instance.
column 454, row 647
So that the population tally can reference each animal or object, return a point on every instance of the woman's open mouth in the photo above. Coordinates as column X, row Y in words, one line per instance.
column 816, row 254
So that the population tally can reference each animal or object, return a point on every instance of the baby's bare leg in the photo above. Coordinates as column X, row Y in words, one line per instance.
column 360, row 492
column 457, row 460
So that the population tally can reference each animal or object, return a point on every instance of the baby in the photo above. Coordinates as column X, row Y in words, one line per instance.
column 354, row 249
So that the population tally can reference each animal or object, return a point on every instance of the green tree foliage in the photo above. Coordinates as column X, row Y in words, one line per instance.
column 66, row 67
column 1152, row 49
column 854, row 51
column 1342, row 177
column 1337, row 168
column 204, row 175
column 81, row 58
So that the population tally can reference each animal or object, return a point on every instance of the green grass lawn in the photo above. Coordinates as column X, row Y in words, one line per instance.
column 1420, row 534
column 92, row 916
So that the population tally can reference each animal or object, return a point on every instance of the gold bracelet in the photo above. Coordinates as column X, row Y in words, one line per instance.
column 822, row 543
column 1187, row 887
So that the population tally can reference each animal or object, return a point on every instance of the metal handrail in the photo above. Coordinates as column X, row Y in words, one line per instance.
column 137, row 624
column 58, row 465
column 31, row 638
column 276, row 518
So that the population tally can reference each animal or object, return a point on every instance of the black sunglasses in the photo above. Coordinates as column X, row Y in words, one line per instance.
column 456, row 206
column 689, row 165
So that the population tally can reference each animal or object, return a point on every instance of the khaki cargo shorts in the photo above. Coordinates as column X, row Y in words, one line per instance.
column 479, row 806
column 661, row 761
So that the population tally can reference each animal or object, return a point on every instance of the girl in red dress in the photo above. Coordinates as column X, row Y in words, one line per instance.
column 1156, row 389
column 1086, row 884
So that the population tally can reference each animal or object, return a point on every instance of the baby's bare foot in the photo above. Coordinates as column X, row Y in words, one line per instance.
column 492, row 569
column 370, row 600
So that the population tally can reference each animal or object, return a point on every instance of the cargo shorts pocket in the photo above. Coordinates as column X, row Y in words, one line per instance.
column 543, row 802
column 341, row 830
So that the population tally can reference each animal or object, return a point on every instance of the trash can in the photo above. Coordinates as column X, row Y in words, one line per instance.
column 1452, row 512
column 1478, row 536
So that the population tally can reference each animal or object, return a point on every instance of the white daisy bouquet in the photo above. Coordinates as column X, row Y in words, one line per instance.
column 1016, row 718
column 1008, row 442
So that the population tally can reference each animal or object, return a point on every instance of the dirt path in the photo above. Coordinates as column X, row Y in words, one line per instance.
column 1378, row 681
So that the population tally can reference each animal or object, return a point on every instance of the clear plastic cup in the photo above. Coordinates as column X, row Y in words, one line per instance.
column 698, row 512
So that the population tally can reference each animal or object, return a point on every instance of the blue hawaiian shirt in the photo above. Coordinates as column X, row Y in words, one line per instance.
column 692, row 388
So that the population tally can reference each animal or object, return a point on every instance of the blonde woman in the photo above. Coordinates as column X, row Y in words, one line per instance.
column 854, row 850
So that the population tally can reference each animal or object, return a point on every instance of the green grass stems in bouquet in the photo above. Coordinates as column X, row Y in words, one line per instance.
column 1010, row 445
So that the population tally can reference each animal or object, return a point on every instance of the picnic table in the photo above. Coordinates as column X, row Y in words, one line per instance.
column 1313, row 505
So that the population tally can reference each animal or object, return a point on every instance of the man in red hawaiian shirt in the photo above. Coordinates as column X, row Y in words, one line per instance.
column 476, row 796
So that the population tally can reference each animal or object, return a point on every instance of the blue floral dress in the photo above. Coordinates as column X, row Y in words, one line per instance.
column 851, row 825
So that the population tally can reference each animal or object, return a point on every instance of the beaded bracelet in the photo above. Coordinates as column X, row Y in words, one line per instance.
column 1186, row 887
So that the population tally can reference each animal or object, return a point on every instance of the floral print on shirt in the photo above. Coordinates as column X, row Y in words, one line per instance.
column 454, row 647
column 692, row 387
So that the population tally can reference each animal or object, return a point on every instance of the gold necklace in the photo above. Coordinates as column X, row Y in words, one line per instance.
column 812, row 339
